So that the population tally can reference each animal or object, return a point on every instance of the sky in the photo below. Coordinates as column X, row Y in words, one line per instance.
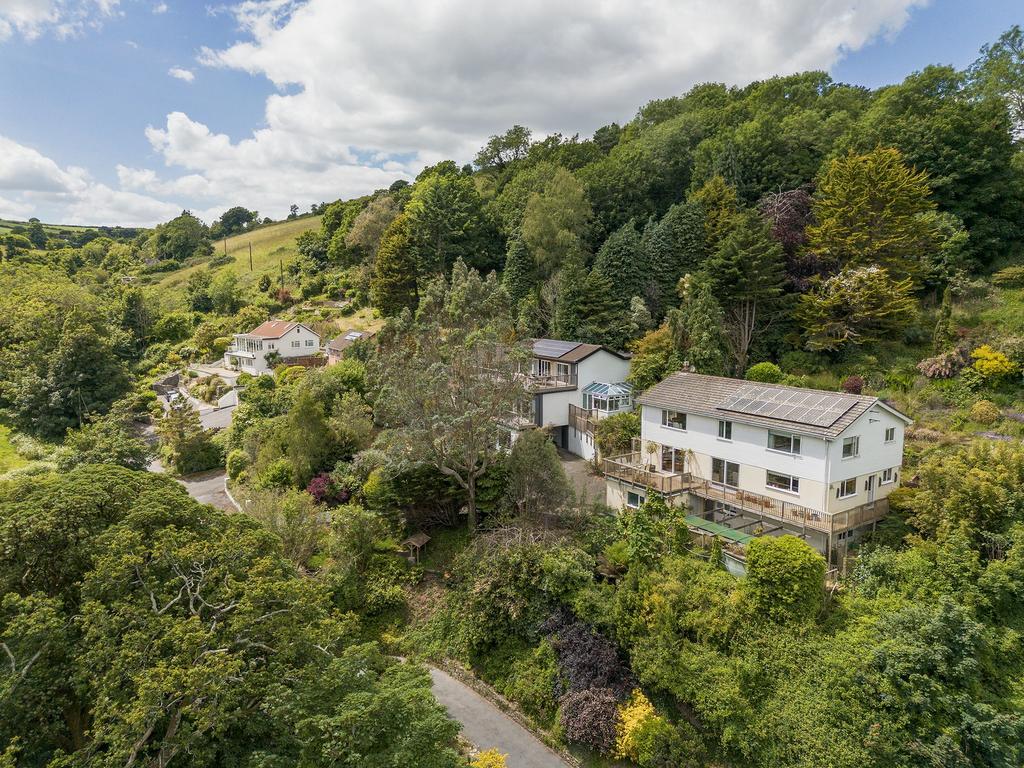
column 129, row 111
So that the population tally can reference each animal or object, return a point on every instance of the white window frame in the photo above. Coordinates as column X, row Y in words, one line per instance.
column 851, row 483
column 296, row 344
column 793, row 486
column 890, row 434
column 888, row 476
column 724, row 482
column 725, row 430
column 855, row 442
column 665, row 420
column 310, row 342
column 794, row 442
column 639, row 497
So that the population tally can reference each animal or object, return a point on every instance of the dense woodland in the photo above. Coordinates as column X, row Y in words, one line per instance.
column 793, row 230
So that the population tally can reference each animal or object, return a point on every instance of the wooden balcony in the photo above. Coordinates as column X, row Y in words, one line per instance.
column 629, row 468
column 536, row 382
column 633, row 469
column 582, row 420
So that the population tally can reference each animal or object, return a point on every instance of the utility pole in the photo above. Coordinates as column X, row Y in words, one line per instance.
column 250, row 255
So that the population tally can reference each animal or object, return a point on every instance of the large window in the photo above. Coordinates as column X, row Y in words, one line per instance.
column 780, row 441
column 890, row 434
column 672, row 459
column 725, row 430
column 673, row 419
column 782, row 482
column 846, row 489
column 851, row 447
column 725, row 473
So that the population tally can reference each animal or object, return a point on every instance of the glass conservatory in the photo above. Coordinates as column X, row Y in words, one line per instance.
column 609, row 398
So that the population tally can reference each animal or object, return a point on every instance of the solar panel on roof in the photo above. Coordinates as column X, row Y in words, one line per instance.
column 553, row 347
column 817, row 409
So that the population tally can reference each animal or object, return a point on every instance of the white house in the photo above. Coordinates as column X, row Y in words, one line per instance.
column 249, row 351
column 764, row 459
column 573, row 385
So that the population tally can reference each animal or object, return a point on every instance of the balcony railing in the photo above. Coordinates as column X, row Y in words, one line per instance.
column 539, row 381
column 582, row 420
column 631, row 468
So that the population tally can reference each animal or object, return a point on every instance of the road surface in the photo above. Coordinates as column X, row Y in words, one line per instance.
column 488, row 727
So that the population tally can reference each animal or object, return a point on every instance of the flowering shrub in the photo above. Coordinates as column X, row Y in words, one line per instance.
column 590, row 717
column 943, row 366
column 322, row 488
column 854, row 385
column 490, row 758
column 991, row 363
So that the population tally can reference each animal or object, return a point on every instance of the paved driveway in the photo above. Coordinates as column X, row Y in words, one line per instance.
column 488, row 727
column 208, row 488
column 582, row 476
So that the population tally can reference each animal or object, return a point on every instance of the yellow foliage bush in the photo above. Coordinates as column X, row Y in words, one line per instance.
column 991, row 363
column 490, row 758
column 632, row 715
column 985, row 412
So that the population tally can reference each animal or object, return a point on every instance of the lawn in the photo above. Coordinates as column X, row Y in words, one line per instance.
column 271, row 245
column 9, row 458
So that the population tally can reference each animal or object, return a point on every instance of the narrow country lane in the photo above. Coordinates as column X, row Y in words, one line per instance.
column 486, row 726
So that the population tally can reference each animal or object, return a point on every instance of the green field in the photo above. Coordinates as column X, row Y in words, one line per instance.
column 6, row 225
column 9, row 458
column 270, row 246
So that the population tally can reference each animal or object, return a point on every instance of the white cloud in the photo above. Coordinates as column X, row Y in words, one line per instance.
column 370, row 92
column 408, row 82
column 160, row 8
column 182, row 74
column 32, row 184
column 64, row 18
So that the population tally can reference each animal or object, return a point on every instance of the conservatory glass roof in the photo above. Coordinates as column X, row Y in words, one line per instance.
column 608, row 390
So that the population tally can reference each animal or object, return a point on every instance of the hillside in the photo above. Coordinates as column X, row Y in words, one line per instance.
column 271, row 245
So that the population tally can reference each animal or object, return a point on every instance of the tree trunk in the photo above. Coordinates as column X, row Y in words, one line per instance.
column 471, row 503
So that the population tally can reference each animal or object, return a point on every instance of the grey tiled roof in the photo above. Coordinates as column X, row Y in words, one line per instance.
column 703, row 395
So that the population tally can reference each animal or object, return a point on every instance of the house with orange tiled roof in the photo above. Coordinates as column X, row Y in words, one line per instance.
column 269, row 344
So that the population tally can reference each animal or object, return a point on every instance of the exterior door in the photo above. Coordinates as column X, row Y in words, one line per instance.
column 869, row 486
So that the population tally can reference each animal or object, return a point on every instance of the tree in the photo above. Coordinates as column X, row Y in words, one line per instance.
column 719, row 204
column 788, row 213
column 555, row 223
column 197, row 291
column 655, row 356
column 447, row 222
column 621, row 261
column 153, row 630
column 394, row 283
column 37, row 235
column 225, row 296
column 999, row 72
column 106, row 439
column 614, row 434
column 672, row 247
column 746, row 274
column 696, row 326
column 181, row 238
column 185, row 445
column 857, row 306
column 233, row 221
column 518, row 277
column 537, row 484
column 500, row 151
column 870, row 210
column 586, row 308
column 449, row 377
column 368, row 227
column 308, row 437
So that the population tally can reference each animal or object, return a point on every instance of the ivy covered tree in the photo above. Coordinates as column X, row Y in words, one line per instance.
column 518, row 276
column 856, row 306
column 697, row 327
column 672, row 247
